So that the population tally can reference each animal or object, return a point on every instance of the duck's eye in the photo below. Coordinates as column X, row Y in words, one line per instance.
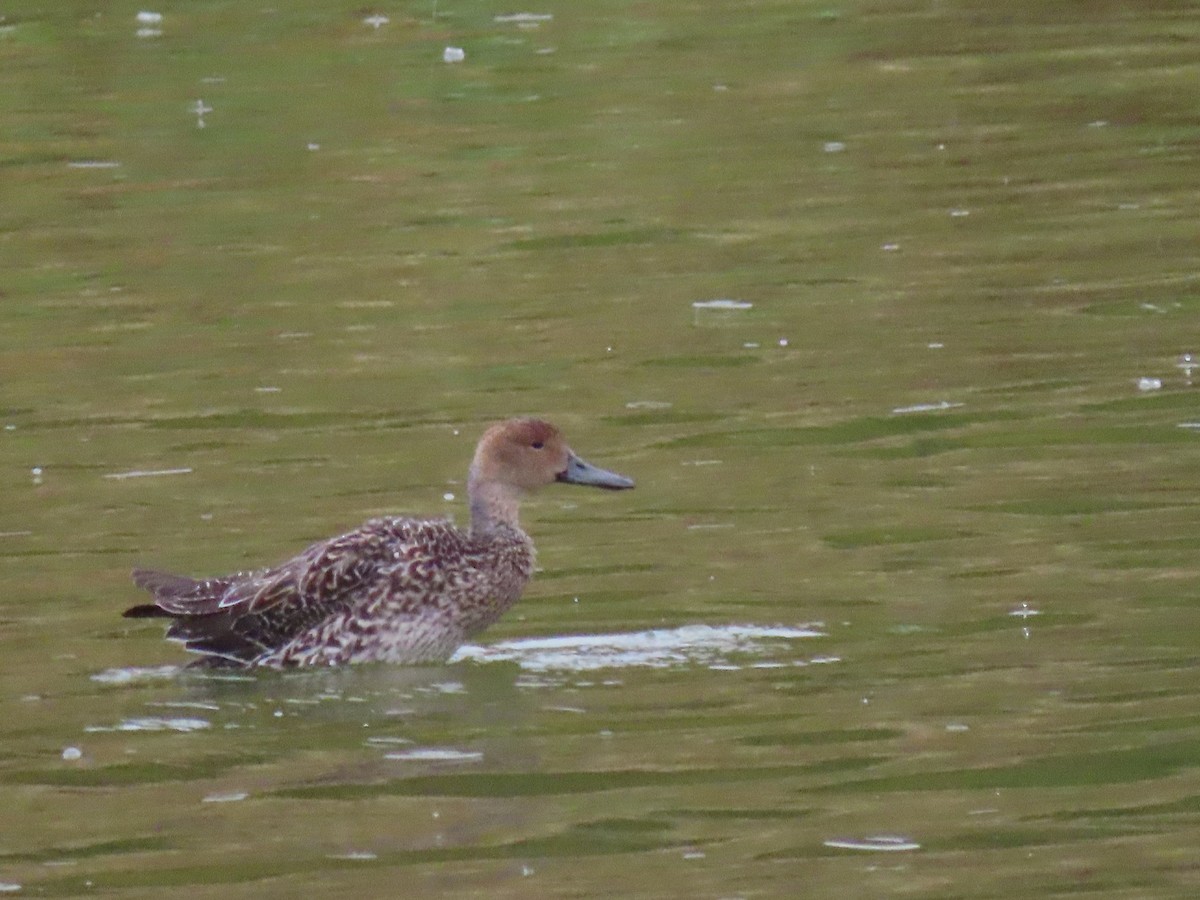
column 538, row 445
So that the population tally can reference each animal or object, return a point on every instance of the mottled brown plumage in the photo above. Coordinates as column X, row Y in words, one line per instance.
column 394, row 590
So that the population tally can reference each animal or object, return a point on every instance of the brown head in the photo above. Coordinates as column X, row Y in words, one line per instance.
column 517, row 456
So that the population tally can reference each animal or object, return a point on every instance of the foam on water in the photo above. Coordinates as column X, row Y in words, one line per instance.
column 878, row 843
column 435, row 754
column 153, row 724
column 130, row 674
column 708, row 645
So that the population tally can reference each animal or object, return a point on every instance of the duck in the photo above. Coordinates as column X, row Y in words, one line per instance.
column 395, row 590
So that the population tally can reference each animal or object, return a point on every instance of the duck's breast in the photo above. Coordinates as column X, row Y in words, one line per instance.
column 465, row 580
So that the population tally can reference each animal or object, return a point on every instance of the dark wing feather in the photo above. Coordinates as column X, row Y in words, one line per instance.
column 243, row 616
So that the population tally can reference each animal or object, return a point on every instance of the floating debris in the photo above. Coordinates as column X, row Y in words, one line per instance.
column 1149, row 384
column 833, row 146
column 647, row 404
column 879, row 843
column 1025, row 612
column 722, row 304
column 226, row 797
column 153, row 724
column 93, row 164
column 376, row 21
column 925, row 407
column 388, row 740
column 359, row 855
column 523, row 18
column 147, row 473
column 149, row 21
column 200, row 109
column 435, row 754
column 454, row 54
column 71, row 754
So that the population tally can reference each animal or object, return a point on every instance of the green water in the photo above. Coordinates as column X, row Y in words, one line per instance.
column 966, row 230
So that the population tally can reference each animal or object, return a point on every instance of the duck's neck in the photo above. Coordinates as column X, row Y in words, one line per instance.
column 493, row 505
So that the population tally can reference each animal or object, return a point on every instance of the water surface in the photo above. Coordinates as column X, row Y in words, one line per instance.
column 904, row 603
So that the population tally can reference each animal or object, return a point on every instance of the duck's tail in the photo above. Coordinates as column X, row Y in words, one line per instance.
column 177, row 595
column 198, row 621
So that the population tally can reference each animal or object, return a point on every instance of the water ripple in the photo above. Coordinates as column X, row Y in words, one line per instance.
column 706, row 645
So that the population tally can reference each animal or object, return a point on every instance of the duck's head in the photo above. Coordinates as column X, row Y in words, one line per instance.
column 528, row 454
column 517, row 456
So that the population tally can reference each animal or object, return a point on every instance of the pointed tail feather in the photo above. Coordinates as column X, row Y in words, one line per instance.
column 164, row 585
column 146, row 611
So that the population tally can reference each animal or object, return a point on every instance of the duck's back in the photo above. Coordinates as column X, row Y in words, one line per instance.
column 396, row 590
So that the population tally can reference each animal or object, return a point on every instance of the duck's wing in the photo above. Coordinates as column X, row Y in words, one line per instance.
column 240, row 617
